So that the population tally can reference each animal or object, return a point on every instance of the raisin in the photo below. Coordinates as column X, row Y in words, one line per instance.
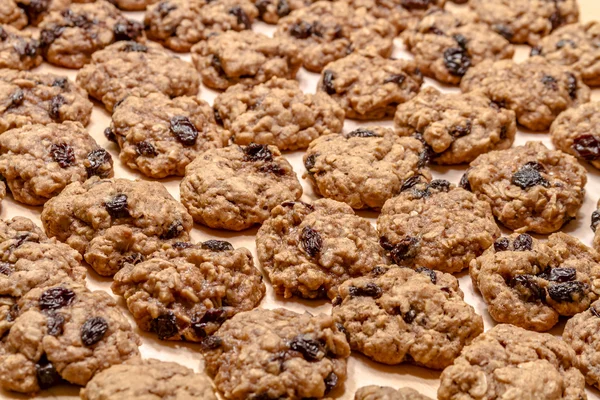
column 283, row 8
column 369, row 290
column 337, row 300
column 595, row 312
column 311, row 241
column 309, row 162
column 257, row 152
column 457, row 61
column 406, row 249
column 550, row 82
column 504, row 30
column 556, row 19
column 217, row 245
column 523, row 242
column 55, row 104
column 134, row 47
column 97, row 158
column 29, row 49
column 182, row 245
column 328, row 77
column 309, row 348
column 55, row 298
column 63, row 154
column 127, row 30
column 301, row 30
column 48, row 36
column 528, row 288
column 411, row 182
column 13, row 313
column 218, row 118
column 398, row 79
column 529, row 176
column 110, row 135
column 133, row 258
column 559, row 274
column 572, row 85
column 174, row 230
column 183, row 129
column 164, row 8
column 498, row 104
column 117, row 206
column 501, row 244
column 5, row 269
column 503, row 133
column 55, row 324
column 410, row 316
column 429, row 272
column 362, row 132
column 459, row 130
column 212, row 315
column 212, row 343
column 460, row 40
column 331, row 381
column 464, row 182
column 595, row 220
column 242, row 17
column 434, row 30
column 416, row 4
column 165, row 326
column 145, row 149
column 262, row 6
column 24, row 237
column 272, row 168
column 292, row 203
column 62, row 83
column 535, row 51
column 567, row 291
column 587, row 147
column 93, row 330
column 3, row 34
column 17, row 98
column 441, row 185
column 46, row 374
column 35, row 8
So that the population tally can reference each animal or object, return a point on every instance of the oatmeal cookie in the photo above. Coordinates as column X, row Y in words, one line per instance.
column 278, row 113
column 530, row 188
column 179, row 24
column 327, row 31
column 387, row 393
column 248, row 58
column 509, row 362
column 33, row 98
column 63, row 332
column 535, row 90
column 37, row 10
column 236, row 187
column 456, row 128
column 526, row 21
column 446, row 45
column 308, row 250
column 12, row 14
column 160, row 136
column 38, row 161
column 148, row 379
column 435, row 225
column 285, row 355
column 365, row 167
column 370, row 87
column 400, row 315
column 271, row 11
column 130, row 68
column 19, row 49
column 113, row 221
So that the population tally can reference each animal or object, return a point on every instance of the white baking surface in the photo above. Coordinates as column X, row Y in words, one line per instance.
column 361, row 370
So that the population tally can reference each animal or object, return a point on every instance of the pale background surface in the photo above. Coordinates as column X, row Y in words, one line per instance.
column 361, row 371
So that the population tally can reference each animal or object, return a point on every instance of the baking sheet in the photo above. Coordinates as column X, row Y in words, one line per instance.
column 361, row 370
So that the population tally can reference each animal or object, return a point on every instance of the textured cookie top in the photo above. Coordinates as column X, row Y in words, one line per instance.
column 270, row 11
column 530, row 188
column 308, row 250
column 19, row 49
column 388, row 393
column 399, row 315
column 327, row 31
column 189, row 296
column 36, row 10
column 285, row 354
column 364, row 167
column 125, row 68
column 279, row 113
column 237, row 186
column 32, row 98
column 248, row 58
column 535, row 90
column 11, row 14
column 160, row 136
column 510, row 361
column 370, row 87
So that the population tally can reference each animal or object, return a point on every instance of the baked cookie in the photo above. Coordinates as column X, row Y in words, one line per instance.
column 535, row 90
column 279, row 113
column 576, row 46
column 365, row 167
column 12, row 14
column 148, row 379
column 446, row 45
column 456, row 128
column 63, row 332
column 32, row 98
column 19, row 49
column 179, row 24
column 271, row 11
column 248, row 58
column 69, row 37
column 285, row 355
column 387, row 393
column 130, row 68
column 38, row 161
column 529, row 283
column 525, row 21
column 530, row 188
column 308, row 250
column 236, row 187
column 435, row 225
column 510, row 362
column 400, row 315
column 113, row 221
column 370, row 87
column 160, row 136
column 327, row 31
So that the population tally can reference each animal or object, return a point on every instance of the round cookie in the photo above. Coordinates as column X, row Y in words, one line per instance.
column 285, row 355
column 126, row 68
column 63, row 332
column 387, row 393
column 179, row 24
column 399, row 315
column 187, row 297
column 525, row 21
column 248, row 58
column 11, row 14
column 456, row 128
column 19, row 49
column 32, row 98
column 510, row 362
column 236, row 187
column 278, row 113
column 148, row 379
column 38, row 161
column 535, row 90
column 327, row 31
column 435, row 225
column 308, row 250
column 160, row 136
column 370, row 87
column 113, row 221
column 365, row 167
column 530, row 188
column 529, row 283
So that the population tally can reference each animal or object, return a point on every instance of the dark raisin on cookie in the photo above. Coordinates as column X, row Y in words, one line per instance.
column 93, row 330
column 134, row 47
column 55, row 323
column 127, row 30
column 595, row 220
column 457, row 61
column 328, row 77
column 63, row 154
column 55, row 298
column 145, row 149
column 411, row 182
column 528, row 288
column 550, row 82
column 217, row 245
column 17, row 98
column 587, row 147
column 5, row 269
column 62, row 83
column 331, row 382
column 212, row 342
column 535, row 51
column 572, row 85
column 567, row 291
column 311, row 241
column 429, row 272
column 133, row 258
column 301, row 30
column 117, row 206
column 283, row 8
column 46, row 374
column 410, row 316
column 165, row 326
column 272, row 168
column 164, row 8
column 362, row 132
column 460, row 130
column 504, row 31
column 561, row 274
column 97, row 158
column 174, row 230
column 242, row 17
column 55, row 104
column 257, row 152
column 309, row 163
column 211, row 316
column 501, row 244
column 310, row 349
column 398, row 79
column 529, row 175
column 441, row 185
column 523, row 242
column 110, row 135
column 404, row 250
column 464, row 182
column 183, row 129
column 369, row 290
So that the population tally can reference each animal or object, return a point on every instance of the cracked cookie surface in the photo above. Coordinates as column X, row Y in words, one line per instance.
column 19, row 49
